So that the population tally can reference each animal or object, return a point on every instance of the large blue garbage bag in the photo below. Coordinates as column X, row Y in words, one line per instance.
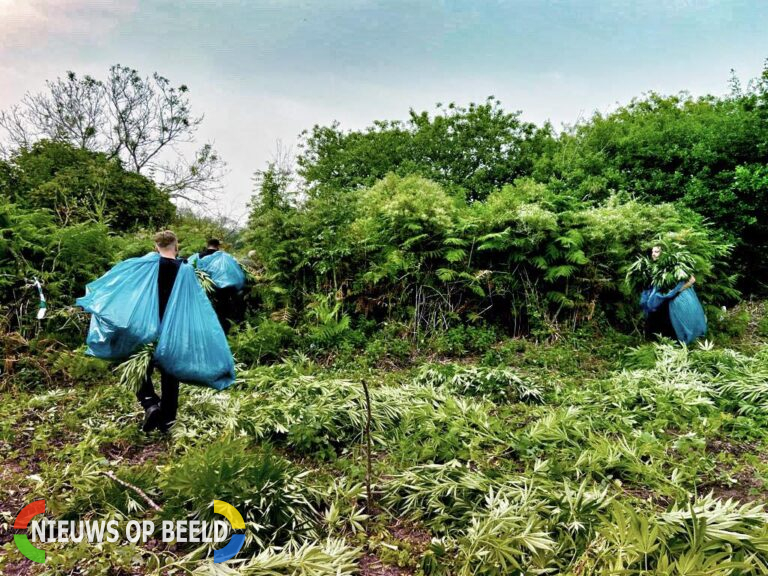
column 652, row 298
column 192, row 345
column 685, row 311
column 124, row 304
column 222, row 268
column 124, row 307
column 687, row 316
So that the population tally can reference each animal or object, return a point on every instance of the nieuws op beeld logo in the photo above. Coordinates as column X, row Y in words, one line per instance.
column 193, row 531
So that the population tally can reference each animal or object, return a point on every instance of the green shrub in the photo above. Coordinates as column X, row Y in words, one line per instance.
column 496, row 384
column 762, row 327
column 76, row 367
column 463, row 339
column 733, row 323
column 329, row 326
column 265, row 489
column 389, row 344
column 266, row 342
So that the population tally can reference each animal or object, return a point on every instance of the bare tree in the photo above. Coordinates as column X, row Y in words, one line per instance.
column 192, row 179
column 140, row 120
column 17, row 126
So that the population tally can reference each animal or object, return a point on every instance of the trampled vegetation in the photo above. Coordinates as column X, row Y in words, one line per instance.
column 481, row 276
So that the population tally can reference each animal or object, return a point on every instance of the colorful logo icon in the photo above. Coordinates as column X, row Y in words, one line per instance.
column 22, row 521
column 236, row 521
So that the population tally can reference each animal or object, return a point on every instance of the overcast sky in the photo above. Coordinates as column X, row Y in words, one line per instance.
column 262, row 71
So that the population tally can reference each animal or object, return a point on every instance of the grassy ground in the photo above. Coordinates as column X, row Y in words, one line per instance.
column 588, row 456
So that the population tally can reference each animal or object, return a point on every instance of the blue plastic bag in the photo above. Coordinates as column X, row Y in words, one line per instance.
column 685, row 311
column 192, row 345
column 124, row 304
column 125, row 308
column 687, row 316
column 223, row 269
column 652, row 298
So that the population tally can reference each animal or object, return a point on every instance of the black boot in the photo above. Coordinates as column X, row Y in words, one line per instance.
column 151, row 418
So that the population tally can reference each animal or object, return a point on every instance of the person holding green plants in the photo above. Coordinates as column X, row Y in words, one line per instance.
column 228, row 278
column 671, row 312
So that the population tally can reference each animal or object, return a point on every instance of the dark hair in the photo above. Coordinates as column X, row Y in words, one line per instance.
column 214, row 242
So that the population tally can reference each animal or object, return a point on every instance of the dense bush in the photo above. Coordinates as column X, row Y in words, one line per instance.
column 525, row 259
column 470, row 150
column 64, row 259
column 78, row 185
column 266, row 342
column 264, row 487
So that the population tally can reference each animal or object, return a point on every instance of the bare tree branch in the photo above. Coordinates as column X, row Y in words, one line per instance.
column 16, row 124
column 201, row 176
column 139, row 120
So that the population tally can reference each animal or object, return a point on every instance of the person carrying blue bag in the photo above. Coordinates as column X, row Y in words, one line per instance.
column 228, row 278
column 157, row 299
column 675, row 314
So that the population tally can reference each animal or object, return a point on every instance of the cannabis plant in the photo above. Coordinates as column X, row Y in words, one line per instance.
column 133, row 371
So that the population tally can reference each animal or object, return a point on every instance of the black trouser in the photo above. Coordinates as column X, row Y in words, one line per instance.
column 228, row 305
column 659, row 322
column 169, row 388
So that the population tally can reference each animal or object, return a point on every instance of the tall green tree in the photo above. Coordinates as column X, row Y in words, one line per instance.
column 705, row 153
column 470, row 150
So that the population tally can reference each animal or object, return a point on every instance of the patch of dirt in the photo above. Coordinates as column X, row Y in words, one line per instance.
column 13, row 497
column 407, row 535
column 417, row 536
column 642, row 493
column 20, row 568
column 370, row 565
column 734, row 448
column 125, row 452
column 748, row 488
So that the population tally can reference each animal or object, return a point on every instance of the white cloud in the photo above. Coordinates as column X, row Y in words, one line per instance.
column 28, row 24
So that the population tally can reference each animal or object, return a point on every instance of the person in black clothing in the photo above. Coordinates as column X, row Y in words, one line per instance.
column 212, row 246
column 160, row 411
column 226, row 301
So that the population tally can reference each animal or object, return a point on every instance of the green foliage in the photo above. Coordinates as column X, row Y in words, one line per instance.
column 133, row 371
column 76, row 367
column 389, row 343
column 496, row 384
column 328, row 324
column 463, row 339
column 205, row 280
column 266, row 342
column 731, row 323
column 64, row 259
column 530, row 259
column 332, row 557
column 682, row 253
column 265, row 489
column 473, row 150
column 608, row 472
column 706, row 153
column 82, row 186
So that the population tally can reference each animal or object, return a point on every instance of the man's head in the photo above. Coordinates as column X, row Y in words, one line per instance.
column 656, row 252
column 214, row 244
column 166, row 243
